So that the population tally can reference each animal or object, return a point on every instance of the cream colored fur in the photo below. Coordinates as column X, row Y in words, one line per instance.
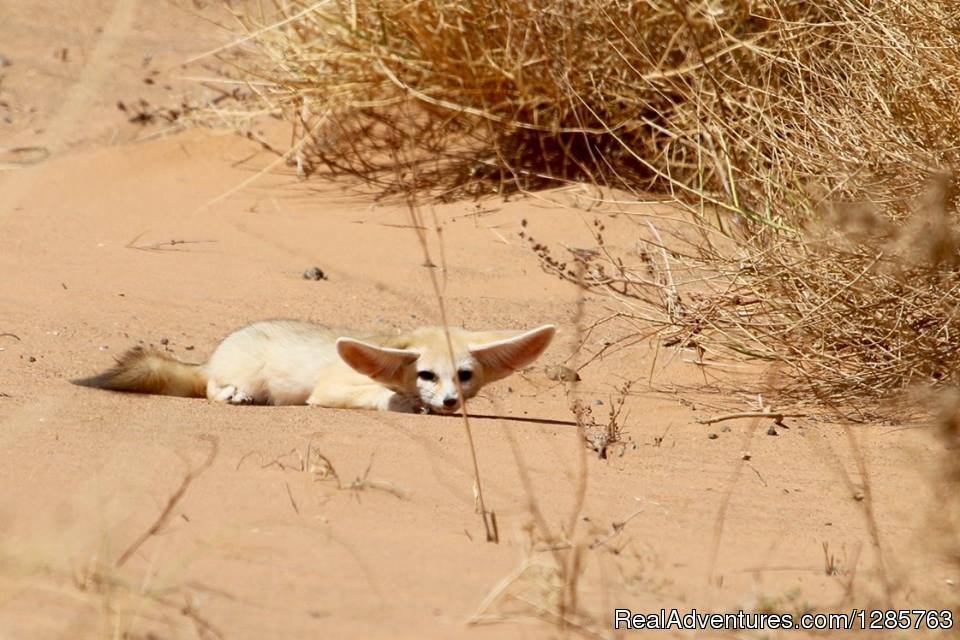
column 288, row 362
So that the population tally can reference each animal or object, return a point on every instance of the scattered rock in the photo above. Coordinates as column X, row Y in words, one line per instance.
column 4, row 61
column 559, row 373
column 726, row 429
column 713, row 436
column 164, row 341
column 189, row 347
column 31, row 359
column 858, row 496
column 314, row 273
column 746, row 455
column 772, row 431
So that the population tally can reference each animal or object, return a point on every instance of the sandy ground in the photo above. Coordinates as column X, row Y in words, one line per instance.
column 117, row 234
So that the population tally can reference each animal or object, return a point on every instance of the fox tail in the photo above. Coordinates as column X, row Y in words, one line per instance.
column 142, row 370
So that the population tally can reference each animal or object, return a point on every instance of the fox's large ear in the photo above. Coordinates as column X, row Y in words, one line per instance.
column 502, row 357
column 379, row 363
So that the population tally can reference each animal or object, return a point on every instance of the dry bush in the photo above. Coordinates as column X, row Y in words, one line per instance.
column 764, row 117
column 749, row 101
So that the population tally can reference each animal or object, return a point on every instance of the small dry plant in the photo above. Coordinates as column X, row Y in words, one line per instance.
column 603, row 438
column 548, row 584
column 312, row 461
column 134, row 608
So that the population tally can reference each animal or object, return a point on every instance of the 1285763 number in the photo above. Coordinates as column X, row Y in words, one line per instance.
column 905, row 618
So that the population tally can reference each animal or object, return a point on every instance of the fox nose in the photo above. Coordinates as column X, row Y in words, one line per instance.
column 449, row 403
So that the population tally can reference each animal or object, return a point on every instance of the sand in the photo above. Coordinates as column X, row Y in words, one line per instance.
column 114, row 232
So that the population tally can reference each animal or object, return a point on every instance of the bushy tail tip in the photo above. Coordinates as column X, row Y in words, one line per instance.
column 142, row 370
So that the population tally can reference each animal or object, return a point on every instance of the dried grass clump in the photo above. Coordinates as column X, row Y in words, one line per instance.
column 779, row 113
column 853, row 308
column 745, row 102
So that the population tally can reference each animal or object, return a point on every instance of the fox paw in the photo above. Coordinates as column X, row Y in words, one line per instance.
column 232, row 395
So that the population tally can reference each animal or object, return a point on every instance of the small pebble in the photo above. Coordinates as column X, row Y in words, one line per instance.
column 189, row 347
column 713, row 436
column 726, row 429
column 746, row 455
column 314, row 273
column 4, row 61
column 31, row 359
column 772, row 431
column 164, row 341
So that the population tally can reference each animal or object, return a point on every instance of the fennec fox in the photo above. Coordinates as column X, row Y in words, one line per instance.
column 284, row 362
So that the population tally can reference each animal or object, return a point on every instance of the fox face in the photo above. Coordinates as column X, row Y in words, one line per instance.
column 423, row 371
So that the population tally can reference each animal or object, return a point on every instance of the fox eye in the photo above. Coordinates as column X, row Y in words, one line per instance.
column 428, row 376
column 464, row 375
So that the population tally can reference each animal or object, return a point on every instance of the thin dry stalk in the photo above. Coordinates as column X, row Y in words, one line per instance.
column 489, row 517
column 173, row 500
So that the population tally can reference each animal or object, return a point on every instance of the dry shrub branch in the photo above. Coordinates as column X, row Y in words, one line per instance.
column 767, row 119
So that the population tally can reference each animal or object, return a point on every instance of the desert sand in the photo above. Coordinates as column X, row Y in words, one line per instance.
column 112, row 233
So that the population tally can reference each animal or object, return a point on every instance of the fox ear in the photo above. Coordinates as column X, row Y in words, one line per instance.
column 502, row 357
column 379, row 363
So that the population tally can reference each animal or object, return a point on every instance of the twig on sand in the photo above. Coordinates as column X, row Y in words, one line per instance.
column 776, row 417
column 616, row 528
column 293, row 503
column 173, row 500
column 169, row 245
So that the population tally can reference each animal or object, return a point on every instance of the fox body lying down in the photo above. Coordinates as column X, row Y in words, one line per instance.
column 288, row 362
